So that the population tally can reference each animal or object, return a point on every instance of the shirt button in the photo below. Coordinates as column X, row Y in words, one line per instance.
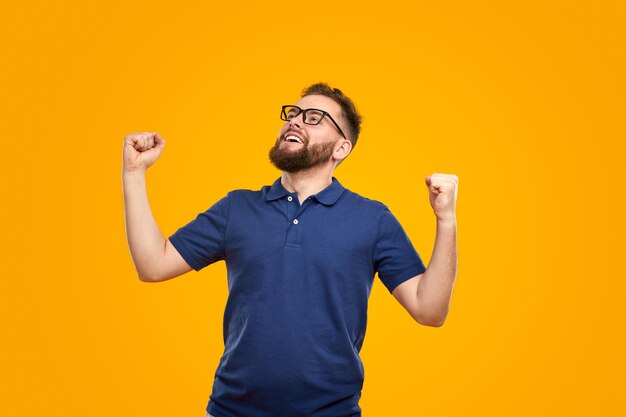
column 295, row 221
column 290, row 198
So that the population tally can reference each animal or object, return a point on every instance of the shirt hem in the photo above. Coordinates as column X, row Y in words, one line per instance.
column 184, row 252
column 404, row 275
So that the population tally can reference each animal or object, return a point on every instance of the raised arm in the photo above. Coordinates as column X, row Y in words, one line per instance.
column 154, row 256
column 427, row 296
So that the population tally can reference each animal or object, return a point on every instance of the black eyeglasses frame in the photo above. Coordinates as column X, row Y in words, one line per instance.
column 283, row 116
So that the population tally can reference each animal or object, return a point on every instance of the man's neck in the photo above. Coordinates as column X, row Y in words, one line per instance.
column 307, row 183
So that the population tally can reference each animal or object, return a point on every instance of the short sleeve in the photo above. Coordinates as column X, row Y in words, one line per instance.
column 201, row 242
column 395, row 258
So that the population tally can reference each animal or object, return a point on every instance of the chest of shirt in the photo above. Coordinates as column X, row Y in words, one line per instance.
column 316, row 232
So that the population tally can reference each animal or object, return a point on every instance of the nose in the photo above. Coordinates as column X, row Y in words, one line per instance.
column 297, row 121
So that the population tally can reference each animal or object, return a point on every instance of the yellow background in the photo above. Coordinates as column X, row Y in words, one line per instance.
column 524, row 101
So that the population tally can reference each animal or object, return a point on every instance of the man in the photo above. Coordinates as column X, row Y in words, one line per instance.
column 301, row 256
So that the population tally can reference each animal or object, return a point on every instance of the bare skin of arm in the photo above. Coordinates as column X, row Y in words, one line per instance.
column 427, row 296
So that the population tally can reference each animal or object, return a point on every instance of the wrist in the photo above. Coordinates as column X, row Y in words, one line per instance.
column 133, row 172
column 448, row 222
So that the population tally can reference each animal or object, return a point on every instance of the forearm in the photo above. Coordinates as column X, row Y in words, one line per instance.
column 435, row 288
column 145, row 240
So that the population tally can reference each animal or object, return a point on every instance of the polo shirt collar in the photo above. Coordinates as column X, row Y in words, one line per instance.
column 328, row 196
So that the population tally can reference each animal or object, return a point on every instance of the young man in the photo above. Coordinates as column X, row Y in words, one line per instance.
column 301, row 256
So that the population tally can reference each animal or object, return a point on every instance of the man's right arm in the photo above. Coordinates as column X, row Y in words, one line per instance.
column 155, row 258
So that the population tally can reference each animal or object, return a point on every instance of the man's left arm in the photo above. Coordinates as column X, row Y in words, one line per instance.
column 427, row 296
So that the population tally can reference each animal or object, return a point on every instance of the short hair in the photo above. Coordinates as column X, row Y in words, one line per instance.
column 348, row 108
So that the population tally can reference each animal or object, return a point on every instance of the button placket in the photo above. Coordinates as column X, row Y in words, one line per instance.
column 295, row 228
column 291, row 208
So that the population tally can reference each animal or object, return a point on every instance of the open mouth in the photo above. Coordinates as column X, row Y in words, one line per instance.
column 293, row 138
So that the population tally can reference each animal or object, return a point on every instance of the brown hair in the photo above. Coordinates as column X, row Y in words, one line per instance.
column 349, row 111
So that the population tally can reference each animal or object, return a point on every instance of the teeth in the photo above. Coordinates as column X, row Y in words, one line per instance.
column 292, row 137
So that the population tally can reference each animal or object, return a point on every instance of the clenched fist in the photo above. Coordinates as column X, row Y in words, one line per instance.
column 442, row 190
column 141, row 150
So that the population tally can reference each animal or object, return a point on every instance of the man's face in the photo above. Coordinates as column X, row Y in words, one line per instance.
column 318, row 141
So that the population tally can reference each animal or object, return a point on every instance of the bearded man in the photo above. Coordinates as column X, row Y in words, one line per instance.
column 301, row 256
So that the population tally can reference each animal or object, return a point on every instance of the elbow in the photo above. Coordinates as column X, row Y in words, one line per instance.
column 144, row 278
column 438, row 323
column 147, row 277
column 433, row 320
column 158, row 276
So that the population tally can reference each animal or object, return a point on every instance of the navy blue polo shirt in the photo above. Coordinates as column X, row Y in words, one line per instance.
column 299, row 279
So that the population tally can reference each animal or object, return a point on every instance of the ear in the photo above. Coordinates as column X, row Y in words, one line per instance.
column 342, row 149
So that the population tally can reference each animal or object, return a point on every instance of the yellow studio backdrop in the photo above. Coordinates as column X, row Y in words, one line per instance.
column 523, row 101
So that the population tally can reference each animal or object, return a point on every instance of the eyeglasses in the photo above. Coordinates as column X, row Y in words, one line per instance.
column 309, row 116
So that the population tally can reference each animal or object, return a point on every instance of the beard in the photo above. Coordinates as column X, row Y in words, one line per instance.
column 306, row 157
